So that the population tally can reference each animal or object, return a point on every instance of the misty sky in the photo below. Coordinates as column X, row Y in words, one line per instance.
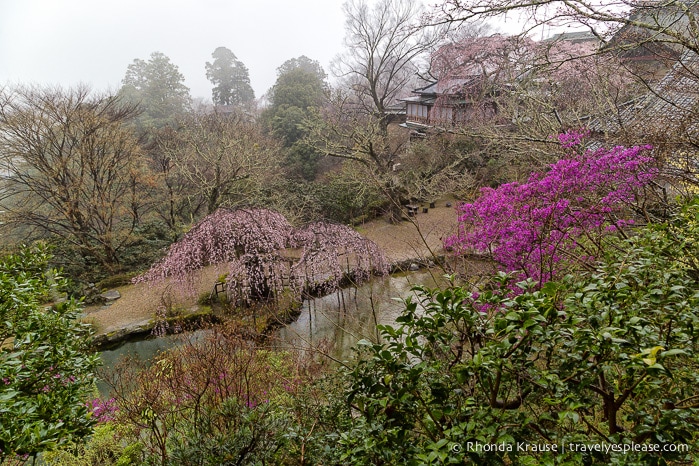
column 68, row 42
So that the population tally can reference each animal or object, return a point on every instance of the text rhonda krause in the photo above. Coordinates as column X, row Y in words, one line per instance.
column 576, row 447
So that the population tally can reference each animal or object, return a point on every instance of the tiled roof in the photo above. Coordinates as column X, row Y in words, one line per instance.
column 670, row 105
column 666, row 117
column 573, row 37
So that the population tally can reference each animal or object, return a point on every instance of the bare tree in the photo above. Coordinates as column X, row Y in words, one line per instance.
column 672, row 22
column 223, row 159
column 169, row 187
column 656, row 43
column 514, row 93
column 384, row 46
column 71, row 167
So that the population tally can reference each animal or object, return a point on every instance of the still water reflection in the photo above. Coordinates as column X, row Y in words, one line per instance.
column 343, row 318
column 336, row 321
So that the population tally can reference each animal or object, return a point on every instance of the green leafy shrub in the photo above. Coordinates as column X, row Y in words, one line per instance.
column 346, row 196
column 607, row 357
column 105, row 447
column 115, row 281
column 46, row 371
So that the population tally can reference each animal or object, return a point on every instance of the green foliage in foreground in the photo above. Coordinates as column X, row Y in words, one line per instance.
column 108, row 445
column 609, row 357
column 606, row 358
column 46, row 374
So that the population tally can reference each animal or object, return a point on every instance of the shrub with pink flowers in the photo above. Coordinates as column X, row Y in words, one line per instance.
column 102, row 410
column 558, row 217
column 46, row 362
column 264, row 254
column 217, row 396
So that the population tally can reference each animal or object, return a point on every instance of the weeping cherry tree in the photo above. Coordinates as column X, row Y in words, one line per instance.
column 264, row 254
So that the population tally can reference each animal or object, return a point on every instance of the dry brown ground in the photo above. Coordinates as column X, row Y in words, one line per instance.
column 420, row 237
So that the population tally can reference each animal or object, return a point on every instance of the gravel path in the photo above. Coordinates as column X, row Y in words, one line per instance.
column 420, row 237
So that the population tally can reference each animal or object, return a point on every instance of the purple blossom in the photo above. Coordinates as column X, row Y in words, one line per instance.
column 534, row 227
column 572, row 138
column 102, row 411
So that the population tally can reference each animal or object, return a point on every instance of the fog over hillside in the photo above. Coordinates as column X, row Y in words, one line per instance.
column 73, row 41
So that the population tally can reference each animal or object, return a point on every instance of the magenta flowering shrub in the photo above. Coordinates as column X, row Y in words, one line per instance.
column 260, row 249
column 558, row 217
column 102, row 410
column 571, row 139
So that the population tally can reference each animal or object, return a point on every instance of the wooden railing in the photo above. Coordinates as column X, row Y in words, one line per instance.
column 417, row 119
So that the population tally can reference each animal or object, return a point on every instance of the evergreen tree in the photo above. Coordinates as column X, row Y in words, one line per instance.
column 305, row 64
column 300, row 88
column 158, row 86
column 230, row 79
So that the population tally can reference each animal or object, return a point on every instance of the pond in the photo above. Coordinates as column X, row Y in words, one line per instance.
column 335, row 322
column 144, row 349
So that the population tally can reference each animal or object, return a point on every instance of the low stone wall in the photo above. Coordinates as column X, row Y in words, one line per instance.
column 142, row 329
column 192, row 321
